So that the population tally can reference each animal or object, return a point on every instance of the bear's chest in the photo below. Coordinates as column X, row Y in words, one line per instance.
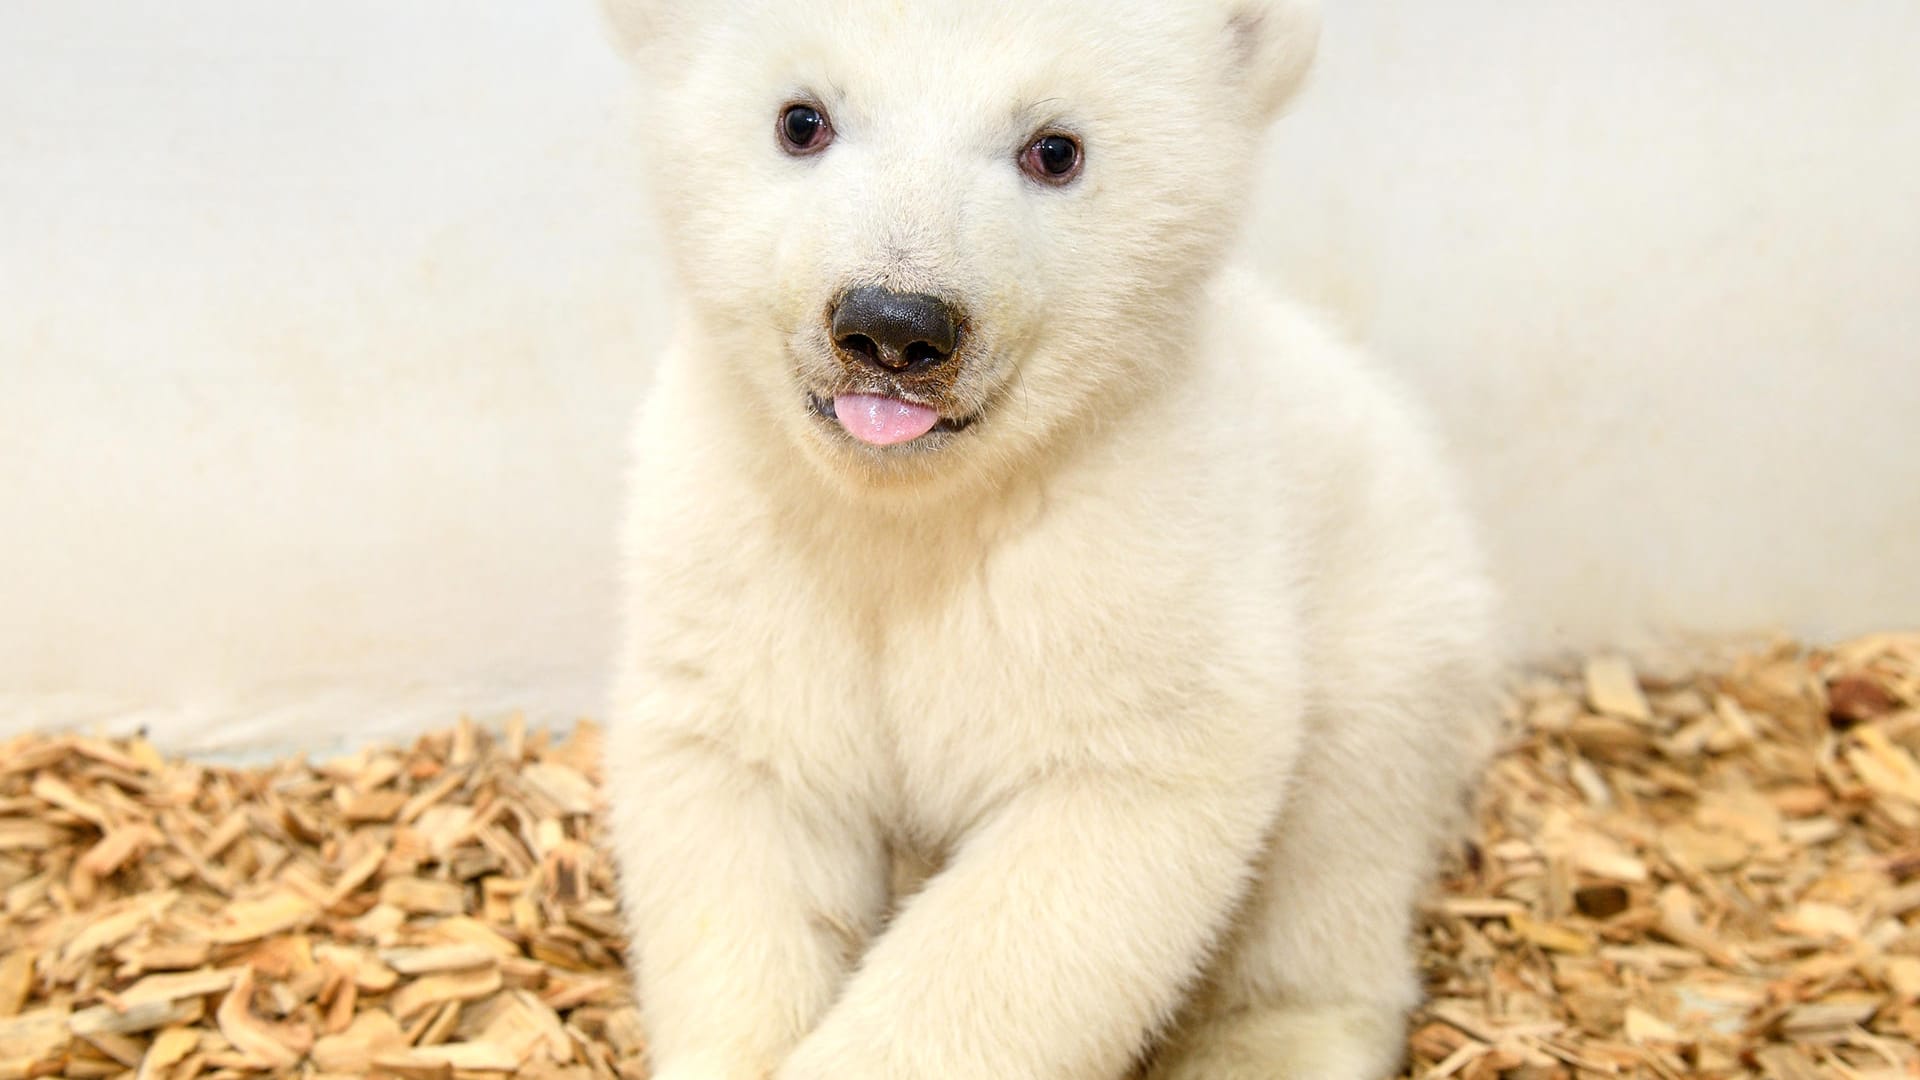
column 1043, row 659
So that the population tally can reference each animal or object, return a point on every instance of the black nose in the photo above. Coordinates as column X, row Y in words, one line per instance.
column 895, row 332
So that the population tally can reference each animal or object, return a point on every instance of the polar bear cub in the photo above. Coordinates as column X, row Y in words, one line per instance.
column 987, row 519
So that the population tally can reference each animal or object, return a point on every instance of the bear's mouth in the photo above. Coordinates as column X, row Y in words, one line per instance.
column 885, row 420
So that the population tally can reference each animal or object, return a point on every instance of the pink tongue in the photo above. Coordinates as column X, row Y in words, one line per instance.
column 883, row 421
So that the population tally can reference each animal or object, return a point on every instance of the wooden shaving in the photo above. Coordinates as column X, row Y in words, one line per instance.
column 1709, row 873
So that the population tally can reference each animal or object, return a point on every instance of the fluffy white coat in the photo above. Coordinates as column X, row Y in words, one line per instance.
column 1164, row 678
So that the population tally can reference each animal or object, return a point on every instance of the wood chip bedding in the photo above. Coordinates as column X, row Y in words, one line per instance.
column 1703, row 872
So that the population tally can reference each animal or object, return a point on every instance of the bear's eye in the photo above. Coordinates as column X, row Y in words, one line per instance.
column 804, row 130
column 1052, row 159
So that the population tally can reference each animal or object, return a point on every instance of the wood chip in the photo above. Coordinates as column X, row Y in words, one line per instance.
column 16, row 981
column 146, row 1016
column 1787, row 1063
column 1614, row 690
column 34, row 1037
column 281, row 910
column 1698, row 849
column 176, row 986
column 435, row 990
column 419, row 896
column 19, row 835
column 248, row 1033
column 1803, row 1021
column 352, row 1052
column 1556, row 938
column 361, row 967
column 435, row 959
column 571, row 792
column 169, row 1048
column 474, row 1056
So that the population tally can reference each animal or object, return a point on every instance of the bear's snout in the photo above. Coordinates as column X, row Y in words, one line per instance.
column 893, row 333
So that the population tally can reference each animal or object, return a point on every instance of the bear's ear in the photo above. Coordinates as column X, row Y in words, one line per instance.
column 1272, row 44
column 637, row 26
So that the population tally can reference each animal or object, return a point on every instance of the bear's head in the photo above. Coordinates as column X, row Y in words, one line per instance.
column 927, row 237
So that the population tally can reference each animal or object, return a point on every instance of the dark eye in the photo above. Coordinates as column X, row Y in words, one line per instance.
column 1052, row 159
column 804, row 130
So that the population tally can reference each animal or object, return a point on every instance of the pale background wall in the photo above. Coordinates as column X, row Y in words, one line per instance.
column 320, row 324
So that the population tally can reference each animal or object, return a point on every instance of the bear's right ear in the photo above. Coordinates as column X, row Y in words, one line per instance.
column 637, row 25
column 1272, row 44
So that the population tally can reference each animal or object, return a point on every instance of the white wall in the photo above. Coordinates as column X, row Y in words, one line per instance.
column 320, row 323
column 1658, row 264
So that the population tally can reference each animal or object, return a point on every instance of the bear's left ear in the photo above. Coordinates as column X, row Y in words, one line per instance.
column 636, row 26
column 1272, row 43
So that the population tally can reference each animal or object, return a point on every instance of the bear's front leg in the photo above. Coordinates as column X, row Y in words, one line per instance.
column 1061, row 935
column 748, row 902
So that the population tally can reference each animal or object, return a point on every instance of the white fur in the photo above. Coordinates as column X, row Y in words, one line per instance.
column 1172, row 668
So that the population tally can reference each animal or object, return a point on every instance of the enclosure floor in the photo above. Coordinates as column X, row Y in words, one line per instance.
column 1700, row 873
